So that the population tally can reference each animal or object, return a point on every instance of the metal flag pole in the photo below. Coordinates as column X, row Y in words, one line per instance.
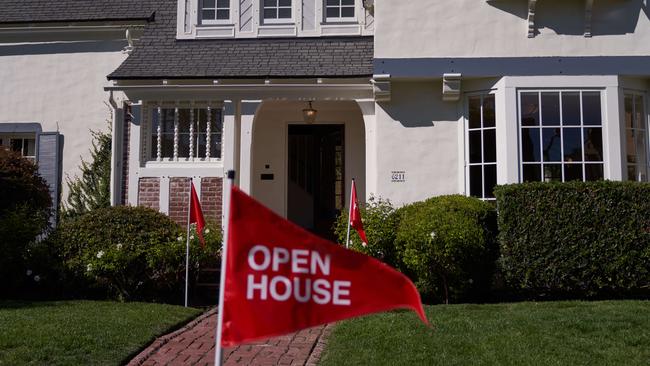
column 347, row 238
column 187, row 242
column 218, row 354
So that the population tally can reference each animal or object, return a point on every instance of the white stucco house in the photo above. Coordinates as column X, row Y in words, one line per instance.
column 54, row 58
column 411, row 98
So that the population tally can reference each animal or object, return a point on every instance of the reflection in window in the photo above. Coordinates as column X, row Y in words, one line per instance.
column 481, row 146
column 636, row 141
column 561, row 136
column 185, row 133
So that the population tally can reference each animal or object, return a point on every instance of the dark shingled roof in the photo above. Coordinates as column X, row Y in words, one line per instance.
column 158, row 55
column 40, row 11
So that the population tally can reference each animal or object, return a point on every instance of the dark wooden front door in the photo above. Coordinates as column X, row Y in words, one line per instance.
column 316, row 176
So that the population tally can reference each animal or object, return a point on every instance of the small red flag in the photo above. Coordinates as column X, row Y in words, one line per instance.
column 196, row 215
column 355, row 216
column 280, row 278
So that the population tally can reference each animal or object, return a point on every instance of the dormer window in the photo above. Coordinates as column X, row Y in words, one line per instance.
column 277, row 11
column 339, row 10
column 215, row 11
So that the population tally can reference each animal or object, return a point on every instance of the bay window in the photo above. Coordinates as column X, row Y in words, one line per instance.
column 186, row 134
column 636, row 138
column 481, row 147
column 561, row 135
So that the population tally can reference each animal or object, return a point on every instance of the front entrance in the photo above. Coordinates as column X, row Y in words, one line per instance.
column 316, row 177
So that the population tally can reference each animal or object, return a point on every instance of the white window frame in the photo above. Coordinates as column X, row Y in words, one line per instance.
column 151, row 158
column 645, row 130
column 341, row 19
column 6, row 142
column 603, row 126
column 202, row 21
column 269, row 21
column 466, row 131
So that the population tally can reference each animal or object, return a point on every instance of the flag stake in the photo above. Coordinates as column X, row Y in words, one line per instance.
column 347, row 237
column 218, row 354
column 187, row 240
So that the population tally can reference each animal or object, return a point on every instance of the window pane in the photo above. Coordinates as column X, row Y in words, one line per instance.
column 490, row 180
column 631, row 146
column 208, row 15
column 475, row 147
column 333, row 2
column 475, row 112
column 552, row 173
column 629, row 111
column 183, row 145
column 333, row 12
column 571, row 108
column 489, row 146
column 632, row 173
column 208, row 4
column 284, row 13
column 489, row 119
column 347, row 2
column 167, row 146
column 529, row 109
column 551, row 109
column 572, row 172
column 591, row 108
column 30, row 144
column 532, row 173
column 270, row 13
column 285, row 2
column 530, row 150
column 552, row 144
column 223, row 4
column 270, row 3
column 167, row 120
column 199, row 149
column 215, row 145
column 183, row 120
column 476, row 181
column 593, row 172
column 640, row 118
column 641, row 148
column 593, row 144
column 572, row 144
column 223, row 14
column 347, row 12
column 17, row 145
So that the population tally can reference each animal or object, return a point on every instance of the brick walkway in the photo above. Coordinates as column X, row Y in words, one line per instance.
column 194, row 345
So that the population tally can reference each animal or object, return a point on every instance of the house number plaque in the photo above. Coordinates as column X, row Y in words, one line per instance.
column 398, row 176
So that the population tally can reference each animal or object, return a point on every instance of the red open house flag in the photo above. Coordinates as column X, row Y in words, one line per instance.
column 280, row 278
column 196, row 215
column 355, row 216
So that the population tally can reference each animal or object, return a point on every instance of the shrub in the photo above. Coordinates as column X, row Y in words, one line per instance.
column 577, row 239
column 130, row 253
column 380, row 224
column 24, row 215
column 448, row 244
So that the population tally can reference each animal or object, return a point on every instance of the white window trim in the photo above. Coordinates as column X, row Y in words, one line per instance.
column 7, row 137
column 199, row 13
column 358, row 9
column 275, row 21
column 465, row 140
column 175, row 162
column 646, row 122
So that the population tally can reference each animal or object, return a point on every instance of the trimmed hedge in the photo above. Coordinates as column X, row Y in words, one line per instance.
column 129, row 253
column 575, row 238
column 24, row 216
column 448, row 246
column 380, row 224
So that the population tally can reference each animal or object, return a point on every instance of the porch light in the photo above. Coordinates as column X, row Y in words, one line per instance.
column 309, row 114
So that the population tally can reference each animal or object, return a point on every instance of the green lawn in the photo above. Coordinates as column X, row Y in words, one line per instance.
column 82, row 332
column 550, row 333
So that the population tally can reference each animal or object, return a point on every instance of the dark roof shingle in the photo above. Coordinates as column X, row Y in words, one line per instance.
column 158, row 55
column 39, row 11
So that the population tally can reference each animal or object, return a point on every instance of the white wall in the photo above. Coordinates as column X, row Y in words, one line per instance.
column 270, row 131
column 476, row 28
column 59, row 85
column 417, row 133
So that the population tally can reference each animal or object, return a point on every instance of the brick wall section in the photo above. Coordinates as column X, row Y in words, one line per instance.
column 126, row 153
column 149, row 193
column 179, row 192
column 211, row 198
